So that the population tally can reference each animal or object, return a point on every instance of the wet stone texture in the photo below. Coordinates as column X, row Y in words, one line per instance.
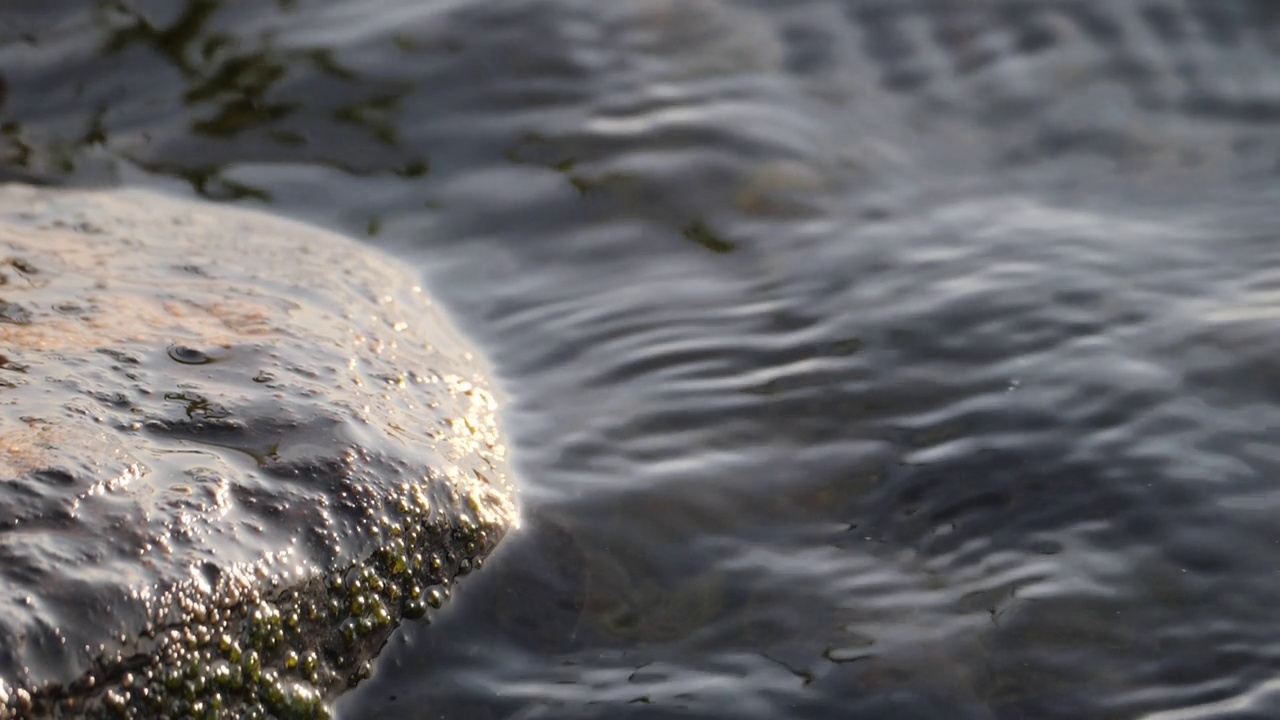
column 234, row 453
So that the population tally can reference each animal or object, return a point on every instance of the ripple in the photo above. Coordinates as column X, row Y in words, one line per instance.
column 867, row 359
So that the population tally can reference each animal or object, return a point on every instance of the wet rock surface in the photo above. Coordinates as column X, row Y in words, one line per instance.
column 235, row 453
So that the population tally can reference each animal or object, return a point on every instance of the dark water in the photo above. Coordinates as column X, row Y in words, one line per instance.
column 864, row 359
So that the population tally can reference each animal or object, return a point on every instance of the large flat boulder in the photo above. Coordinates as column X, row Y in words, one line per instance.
column 235, row 451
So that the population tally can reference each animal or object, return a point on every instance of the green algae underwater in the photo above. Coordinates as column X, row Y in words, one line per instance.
column 237, row 452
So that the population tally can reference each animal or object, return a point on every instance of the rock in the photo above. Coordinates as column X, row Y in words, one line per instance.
column 235, row 452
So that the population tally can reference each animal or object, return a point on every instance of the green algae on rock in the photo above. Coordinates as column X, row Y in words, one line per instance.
column 235, row 452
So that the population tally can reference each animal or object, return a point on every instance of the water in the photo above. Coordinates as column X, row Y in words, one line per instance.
column 862, row 359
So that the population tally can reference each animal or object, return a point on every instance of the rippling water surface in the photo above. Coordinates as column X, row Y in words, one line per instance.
column 864, row 359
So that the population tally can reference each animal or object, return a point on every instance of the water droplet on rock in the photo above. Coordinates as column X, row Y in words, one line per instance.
column 188, row 355
column 14, row 313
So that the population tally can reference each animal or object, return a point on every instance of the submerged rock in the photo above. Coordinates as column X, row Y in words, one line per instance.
column 235, row 452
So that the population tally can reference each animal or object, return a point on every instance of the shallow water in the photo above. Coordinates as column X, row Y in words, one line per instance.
column 862, row 359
